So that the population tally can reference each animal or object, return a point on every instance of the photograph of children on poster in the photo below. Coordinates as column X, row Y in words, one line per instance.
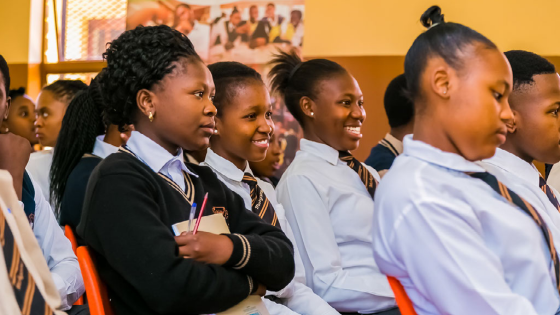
column 221, row 30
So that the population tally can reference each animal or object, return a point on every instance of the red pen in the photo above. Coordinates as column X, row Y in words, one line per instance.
column 200, row 214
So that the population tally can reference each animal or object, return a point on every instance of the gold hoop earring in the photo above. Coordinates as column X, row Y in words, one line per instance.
column 151, row 117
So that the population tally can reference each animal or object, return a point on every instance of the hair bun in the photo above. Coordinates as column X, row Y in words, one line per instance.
column 432, row 16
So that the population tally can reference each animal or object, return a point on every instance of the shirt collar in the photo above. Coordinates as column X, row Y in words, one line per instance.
column 103, row 149
column 321, row 150
column 396, row 143
column 432, row 155
column 223, row 166
column 513, row 164
column 154, row 155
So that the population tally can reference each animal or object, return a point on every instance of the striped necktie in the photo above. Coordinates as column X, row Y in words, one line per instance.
column 549, row 193
column 27, row 295
column 515, row 199
column 260, row 205
column 362, row 171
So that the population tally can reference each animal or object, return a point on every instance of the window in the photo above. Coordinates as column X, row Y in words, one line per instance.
column 76, row 34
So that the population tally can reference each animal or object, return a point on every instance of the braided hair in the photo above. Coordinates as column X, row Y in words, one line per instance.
column 65, row 90
column 81, row 124
column 139, row 59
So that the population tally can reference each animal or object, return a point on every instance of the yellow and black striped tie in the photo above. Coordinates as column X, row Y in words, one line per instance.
column 260, row 205
column 521, row 203
column 549, row 193
column 27, row 295
column 362, row 171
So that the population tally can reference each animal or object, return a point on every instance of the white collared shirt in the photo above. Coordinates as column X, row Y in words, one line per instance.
column 456, row 245
column 159, row 159
column 297, row 296
column 103, row 149
column 57, row 251
column 39, row 167
column 523, row 179
column 331, row 214
column 396, row 143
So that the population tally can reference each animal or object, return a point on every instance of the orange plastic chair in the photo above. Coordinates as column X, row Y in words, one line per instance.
column 72, row 238
column 403, row 302
column 96, row 291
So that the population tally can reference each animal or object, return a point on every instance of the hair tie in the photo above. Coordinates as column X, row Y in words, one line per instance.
column 433, row 25
column 296, row 68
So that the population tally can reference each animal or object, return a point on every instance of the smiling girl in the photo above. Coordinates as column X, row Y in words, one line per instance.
column 244, row 130
column 328, row 194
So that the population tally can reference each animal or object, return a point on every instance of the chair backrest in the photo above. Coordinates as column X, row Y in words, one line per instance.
column 98, row 299
column 404, row 303
column 72, row 238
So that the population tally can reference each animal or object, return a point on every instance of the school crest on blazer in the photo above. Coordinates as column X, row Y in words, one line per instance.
column 221, row 210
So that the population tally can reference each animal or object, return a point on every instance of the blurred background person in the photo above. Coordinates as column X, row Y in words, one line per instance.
column 253, row 21
column 51, row 107
column 292, row 32
column 150, row 13
column 268, row 28
column 229, row 33
column 21, row 117
column 198, row 33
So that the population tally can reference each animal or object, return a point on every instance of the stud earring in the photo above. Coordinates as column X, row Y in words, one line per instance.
column 215, row 131
column 445, row 91
column 151, row 117
column 312, row 113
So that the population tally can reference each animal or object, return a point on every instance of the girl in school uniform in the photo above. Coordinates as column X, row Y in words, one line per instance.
column 458, row 240
column 51, row 107
column 84, row 141
column 244, row 128
column 328, row 194
column 156, row 81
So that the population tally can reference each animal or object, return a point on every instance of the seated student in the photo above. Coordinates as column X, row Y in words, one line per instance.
column 533, row 133
column 84, row 141
column 51, row 107
column 400, row 112
column 328, row 194
column 459, row 241
column 34, row 293
column 243, row 132
column 135, row 196
column 55, row 247
column 21, row 118
column 267, row 169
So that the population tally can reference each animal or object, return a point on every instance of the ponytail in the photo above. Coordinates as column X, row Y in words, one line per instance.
column 293, row 78
column 81, row 124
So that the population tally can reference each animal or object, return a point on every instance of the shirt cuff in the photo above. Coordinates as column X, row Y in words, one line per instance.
column 62, row 291
column 241, row 251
